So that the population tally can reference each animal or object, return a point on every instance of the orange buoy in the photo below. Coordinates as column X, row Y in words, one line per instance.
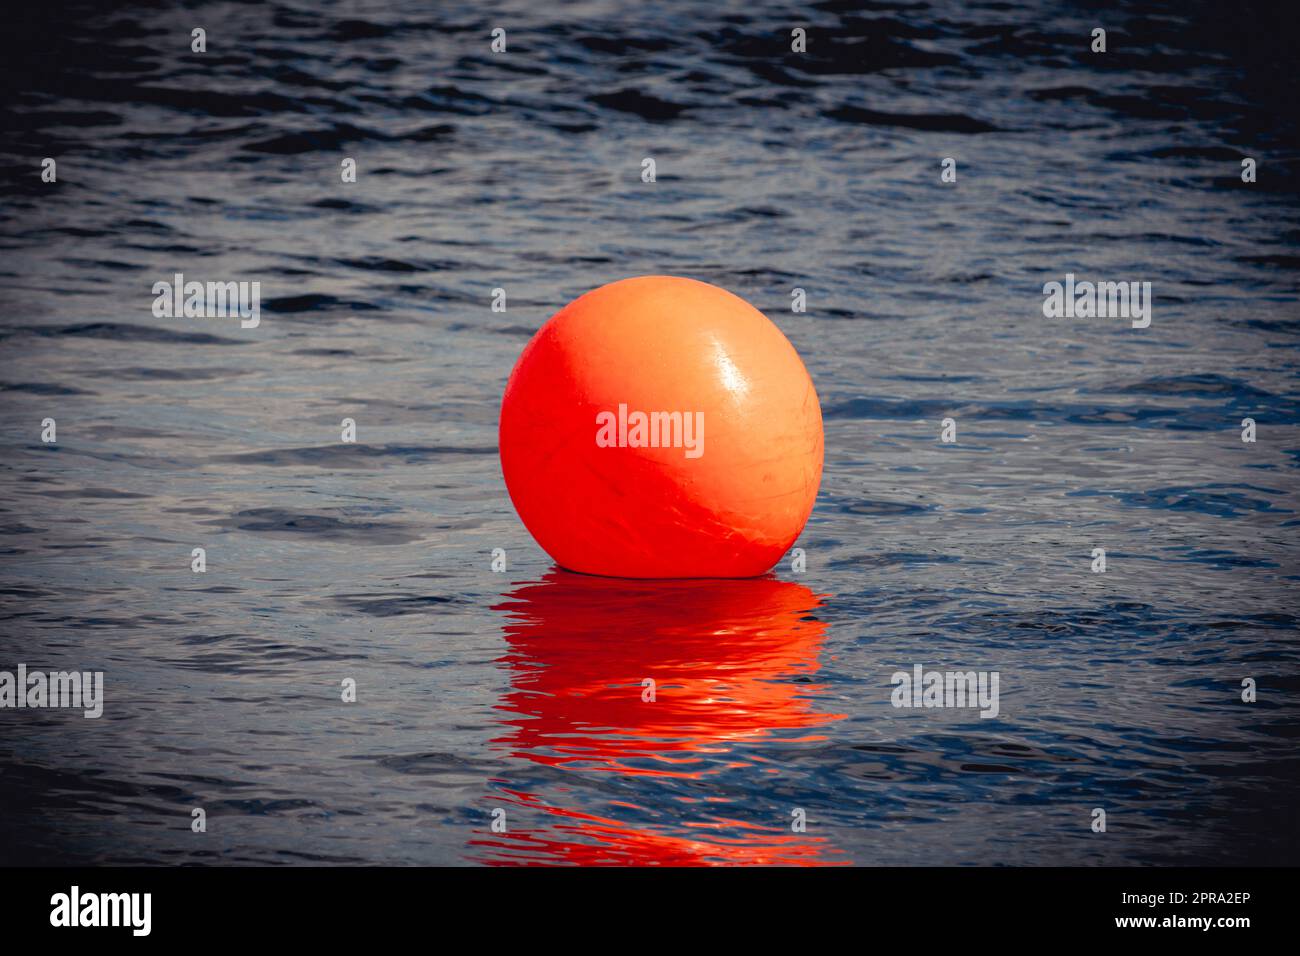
column 661, row 427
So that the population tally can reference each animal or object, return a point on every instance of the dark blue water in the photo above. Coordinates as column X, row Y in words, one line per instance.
column 521, row 691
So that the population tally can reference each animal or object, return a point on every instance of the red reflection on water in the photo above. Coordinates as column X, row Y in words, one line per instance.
column 725, row 657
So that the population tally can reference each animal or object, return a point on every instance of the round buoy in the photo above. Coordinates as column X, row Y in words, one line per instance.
column 661, row 427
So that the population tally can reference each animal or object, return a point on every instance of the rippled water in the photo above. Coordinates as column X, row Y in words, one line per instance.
column 522, row 691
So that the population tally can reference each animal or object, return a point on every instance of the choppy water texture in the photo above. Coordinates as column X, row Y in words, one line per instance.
column 522, row 691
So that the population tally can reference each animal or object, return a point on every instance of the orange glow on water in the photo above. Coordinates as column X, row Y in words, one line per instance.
column 732, row 662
